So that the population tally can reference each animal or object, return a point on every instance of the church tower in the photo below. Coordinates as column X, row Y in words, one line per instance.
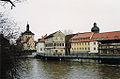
column 95, row 28
column 27, row 39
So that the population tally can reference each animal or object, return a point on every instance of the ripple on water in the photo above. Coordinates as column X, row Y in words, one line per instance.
column 29, row 68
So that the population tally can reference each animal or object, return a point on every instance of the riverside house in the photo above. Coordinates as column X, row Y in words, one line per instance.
column 81, row 42
column 108, row 42
column 26, row 41
column 55, row 43
column 40, row 46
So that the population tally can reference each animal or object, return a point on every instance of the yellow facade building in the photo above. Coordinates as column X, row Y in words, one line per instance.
column 80, row 43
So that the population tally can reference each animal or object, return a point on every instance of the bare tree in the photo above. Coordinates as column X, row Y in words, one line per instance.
column 8, row 27
column 9, row 2
column 12, row 2
column 67, row 32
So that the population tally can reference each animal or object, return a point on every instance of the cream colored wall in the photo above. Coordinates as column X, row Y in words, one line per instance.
column 58, row 37
column 88, row 47
column 26, row 36
column 80, row 47
column 30, row 45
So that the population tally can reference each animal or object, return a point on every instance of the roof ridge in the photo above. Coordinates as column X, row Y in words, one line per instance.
column 110, row 32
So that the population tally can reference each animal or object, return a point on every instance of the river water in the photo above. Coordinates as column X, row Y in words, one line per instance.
column 30, row 68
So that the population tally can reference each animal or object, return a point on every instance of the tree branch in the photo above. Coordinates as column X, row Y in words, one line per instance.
column 9, row 2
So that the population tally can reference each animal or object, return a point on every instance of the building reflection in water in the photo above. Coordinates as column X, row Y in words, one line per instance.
column 29, row 68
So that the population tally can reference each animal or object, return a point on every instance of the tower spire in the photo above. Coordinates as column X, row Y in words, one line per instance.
column 27, row 27
column 95, row 24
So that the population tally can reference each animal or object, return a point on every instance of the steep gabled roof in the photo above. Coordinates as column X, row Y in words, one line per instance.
column 42, row 39
column 51, row 35
column 28, row 33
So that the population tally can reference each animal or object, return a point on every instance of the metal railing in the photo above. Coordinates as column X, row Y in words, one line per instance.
column 82, row 55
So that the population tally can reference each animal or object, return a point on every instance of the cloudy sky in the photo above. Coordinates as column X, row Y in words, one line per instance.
column 48, row 16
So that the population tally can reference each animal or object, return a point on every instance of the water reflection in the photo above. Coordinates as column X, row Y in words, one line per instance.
column 109, row 71
column 29, row 68
column 55, row 69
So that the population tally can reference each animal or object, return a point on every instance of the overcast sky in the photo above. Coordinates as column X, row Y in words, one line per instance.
column 48, row 16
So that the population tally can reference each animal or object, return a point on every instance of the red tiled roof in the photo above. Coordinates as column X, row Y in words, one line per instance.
column 90, row 36
column 42, row 39
column 82, row 37
column 106, row 36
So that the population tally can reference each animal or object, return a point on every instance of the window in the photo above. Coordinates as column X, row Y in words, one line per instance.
column 94, row 43
column 94, row 48
column 82, row 48
column 62, row 44
column 74, row 44
column 54, row 44
column 51, row 44
column 56, row 38
column 40, row 49
column 83, row 44
column 88, row 43
column 88, row 48
column 57, row 44
column 56, row 50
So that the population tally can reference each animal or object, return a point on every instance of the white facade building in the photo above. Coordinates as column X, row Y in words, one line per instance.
column 40, row 47
column 55, row 43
